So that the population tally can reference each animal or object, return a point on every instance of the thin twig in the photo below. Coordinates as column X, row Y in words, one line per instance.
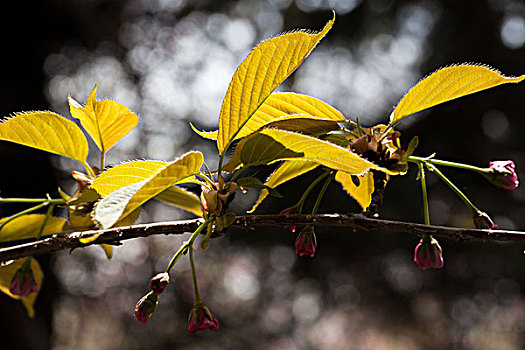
column 354, row 222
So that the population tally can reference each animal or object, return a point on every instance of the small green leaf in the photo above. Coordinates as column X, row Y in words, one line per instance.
column 48, row 132
column 447, row 84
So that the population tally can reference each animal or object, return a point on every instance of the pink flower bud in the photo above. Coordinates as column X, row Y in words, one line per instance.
column 306, row 243
column 428, row 254
column 483, row 221
column 145, row 307
column 201, row 319
column 159, row 282
column 502, row 173
column 23, row 282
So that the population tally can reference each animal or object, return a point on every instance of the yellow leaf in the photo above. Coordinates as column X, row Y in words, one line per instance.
column 447, row 84
column 181, row 198
column 28, row 226
column 125, row 174
column 288, row 170
column 265, row 68
column 362, row 193
column 123, row 201
column 279, row 106
column 105, row 121
column 46, row 131
column 210, row 135
column 271, row 145
column 108, row 250
column 6, row 275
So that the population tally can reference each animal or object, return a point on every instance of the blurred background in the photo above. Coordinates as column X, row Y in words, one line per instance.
column 171, row 61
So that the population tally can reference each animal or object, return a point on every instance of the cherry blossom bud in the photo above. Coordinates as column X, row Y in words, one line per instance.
column 23, row 282
column 159, row 282
column 428, row 254
column 306, row 243
column 502, row 173
column 483, row 221
column 145, row 307
column 201, row 319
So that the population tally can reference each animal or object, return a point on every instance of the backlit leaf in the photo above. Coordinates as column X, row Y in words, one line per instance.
column 447, row 84
column 288, row 170
column 123, row 201
column 265, row 68
column 105, row 121
column 279, row 106
column 46, row 131
column 6, row 275
column 362, row 193
column 181, row 198
column 304, row 124
column 28, row 226
column 271, row 145
column 125, row 174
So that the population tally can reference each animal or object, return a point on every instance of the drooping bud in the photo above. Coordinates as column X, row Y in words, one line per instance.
column 23, row 282
column 483, row 221
column 201, row 319
column 145, row 306
column 306, row 242
column 159, row 282
column 428, row 254
column 502, row 173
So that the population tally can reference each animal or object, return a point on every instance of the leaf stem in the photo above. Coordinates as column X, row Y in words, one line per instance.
column 48, row 214
column 322, row 192
column 422, row 178
column 184, row 247
column 30, row 200
column 453, row 187
column 89, row 170
column 449, row 164
column 196, row 294
column 309, row 189
column 52, row 202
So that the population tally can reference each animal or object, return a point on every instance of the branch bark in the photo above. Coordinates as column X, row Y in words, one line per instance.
column 356, row 222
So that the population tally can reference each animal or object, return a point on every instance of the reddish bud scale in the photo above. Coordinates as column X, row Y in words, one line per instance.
column 23, row 282
column 201, row 319
column 428, row 254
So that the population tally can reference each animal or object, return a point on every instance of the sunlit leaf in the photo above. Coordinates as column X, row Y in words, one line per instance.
column 279, row 106
column 46, row 131
column 211, row 135
column 265, row 68
column 123, row 201
column 271, row 145
column 6, row 275
column 28, row 226
column 125, row 174
column 447, row 84
column 362, row 193
column 288, row 170
column 181, row 198
column 105, row 121
column 300, row 123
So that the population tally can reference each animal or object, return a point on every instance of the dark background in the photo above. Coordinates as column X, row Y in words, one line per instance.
column 362, row 290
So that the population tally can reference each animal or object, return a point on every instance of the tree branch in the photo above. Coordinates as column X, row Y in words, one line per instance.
column 115, row 236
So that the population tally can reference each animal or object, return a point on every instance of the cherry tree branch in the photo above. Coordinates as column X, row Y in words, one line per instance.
column 355, row 222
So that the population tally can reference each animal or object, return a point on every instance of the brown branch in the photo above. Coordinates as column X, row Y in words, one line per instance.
column 114, row 236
